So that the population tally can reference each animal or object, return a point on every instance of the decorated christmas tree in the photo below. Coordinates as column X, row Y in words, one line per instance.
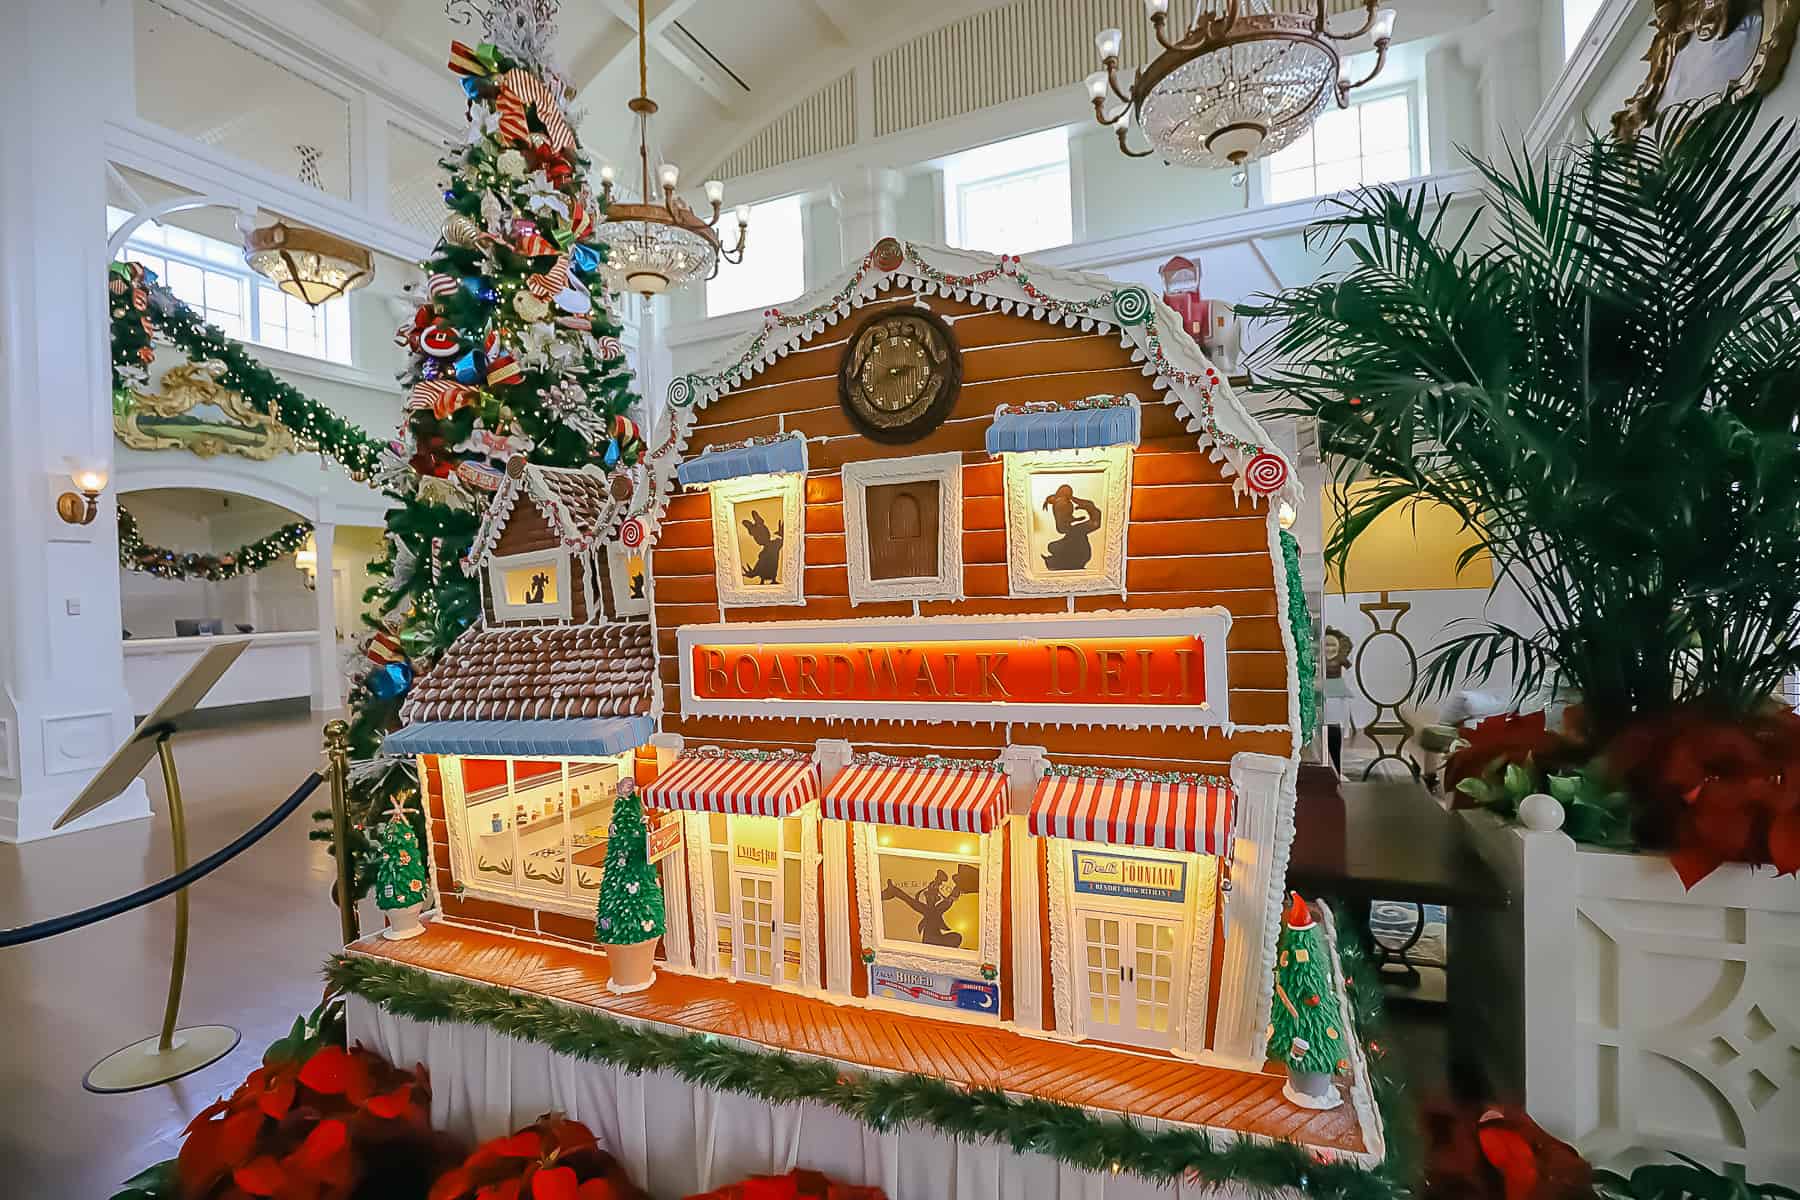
column 512, row 351
column 399, row 866
column 631, row 899
column 1306, row 1029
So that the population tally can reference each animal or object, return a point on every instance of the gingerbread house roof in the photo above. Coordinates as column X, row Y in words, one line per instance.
column 577, row 504
column 1173, row 363
column 536, row 673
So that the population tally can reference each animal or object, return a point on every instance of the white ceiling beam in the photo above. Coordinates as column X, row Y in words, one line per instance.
column 660, row 16
column 838, row 20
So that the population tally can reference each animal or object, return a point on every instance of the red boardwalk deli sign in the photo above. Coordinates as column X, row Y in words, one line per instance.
column 1163, row 668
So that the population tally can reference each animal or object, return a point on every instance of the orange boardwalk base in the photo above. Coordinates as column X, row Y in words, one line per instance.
column 1101, row 1078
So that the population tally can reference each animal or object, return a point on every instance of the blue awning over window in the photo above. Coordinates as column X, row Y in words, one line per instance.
column 550, row 738
column 782, row 457
column 1063, row 429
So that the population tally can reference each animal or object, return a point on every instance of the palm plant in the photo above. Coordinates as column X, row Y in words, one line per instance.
column 1599, row 372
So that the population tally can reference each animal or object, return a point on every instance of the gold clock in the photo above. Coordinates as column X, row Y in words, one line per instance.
column 900, row 375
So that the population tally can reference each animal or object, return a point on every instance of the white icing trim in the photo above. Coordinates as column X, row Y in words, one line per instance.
column 690, row 393
column 809, row 897
column 947, row 583
column 1105, row 575
column 1056, row 860
column 840, row 955
column 728, row 568
column 1203, row 890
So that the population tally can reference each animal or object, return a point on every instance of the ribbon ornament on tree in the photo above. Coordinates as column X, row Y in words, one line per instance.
column 519, row 88
column 546, row 284
column 441, row 396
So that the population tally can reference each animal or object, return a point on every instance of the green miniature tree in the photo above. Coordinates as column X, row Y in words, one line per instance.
column 631, row 899
column 400, row 868
column 1306, row 1029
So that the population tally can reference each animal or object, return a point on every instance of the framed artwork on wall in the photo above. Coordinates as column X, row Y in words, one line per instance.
column 903, row 528
column 629, row 574
column 1065, row 521
column 758, row 535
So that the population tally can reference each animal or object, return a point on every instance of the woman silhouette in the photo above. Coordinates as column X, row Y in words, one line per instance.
column 1076, row 519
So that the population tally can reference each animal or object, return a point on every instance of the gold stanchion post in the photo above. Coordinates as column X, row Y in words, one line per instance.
column 337, row 762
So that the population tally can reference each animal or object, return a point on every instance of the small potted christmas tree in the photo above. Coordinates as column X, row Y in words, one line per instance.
column 400, row 875
column 630, row 919
column 1306, row 1029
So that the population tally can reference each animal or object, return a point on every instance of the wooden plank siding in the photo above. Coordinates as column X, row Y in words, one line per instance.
column 1191, row 540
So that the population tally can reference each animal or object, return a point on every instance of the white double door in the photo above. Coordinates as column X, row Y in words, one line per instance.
column 1130, row 972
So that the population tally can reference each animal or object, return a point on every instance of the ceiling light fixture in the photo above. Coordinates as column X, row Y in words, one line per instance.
column 1241, row 83
column 657, row 245
column 306, row 263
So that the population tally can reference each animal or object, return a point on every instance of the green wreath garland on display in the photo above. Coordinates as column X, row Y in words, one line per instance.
column 1306, row 658
column 141, row 308
column 887, row 1101
column 135, row 554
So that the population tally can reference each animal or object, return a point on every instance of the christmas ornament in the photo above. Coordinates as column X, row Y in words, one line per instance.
column 573, row 300
column 585, row 259
column 470, row 367
column 1266, row 474
column 549, row 283
column 439, row 341
column 441, row 285
column 479, row 288
column 462, row 231
column 519, row 88
column 503, row 369
column 530, row 307
column 390, row 681
column 510, row 163
column 479, row 476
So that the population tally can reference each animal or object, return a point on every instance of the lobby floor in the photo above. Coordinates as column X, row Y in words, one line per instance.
column 260, row 927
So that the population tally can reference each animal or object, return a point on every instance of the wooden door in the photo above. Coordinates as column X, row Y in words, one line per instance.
column 902, row 524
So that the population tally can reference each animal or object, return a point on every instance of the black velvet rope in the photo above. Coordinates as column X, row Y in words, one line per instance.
column 174, row 883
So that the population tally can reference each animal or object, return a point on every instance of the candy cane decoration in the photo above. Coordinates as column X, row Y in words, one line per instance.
column 441, row 396
column 519, row 88
column 547, row 284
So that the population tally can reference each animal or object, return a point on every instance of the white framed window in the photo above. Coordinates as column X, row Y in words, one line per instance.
column 534, row 586
column 774, row 266
column 927, row 891
column 211, row 277
column 1375, row 140
column 1577, row 16
column 903, row 520
column 1011, row 197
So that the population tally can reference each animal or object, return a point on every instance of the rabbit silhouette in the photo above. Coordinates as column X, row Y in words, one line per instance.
column 767, row 567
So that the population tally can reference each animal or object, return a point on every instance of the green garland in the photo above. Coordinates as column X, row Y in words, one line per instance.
column 140, row 307
column 137, row 555
column 1306, row 662
column 882, row 1101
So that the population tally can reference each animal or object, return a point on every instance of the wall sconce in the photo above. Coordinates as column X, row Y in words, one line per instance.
column 82, row 508
column 307, row 559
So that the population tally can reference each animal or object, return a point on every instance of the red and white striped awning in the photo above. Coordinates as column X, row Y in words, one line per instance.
column 1191, row 816
column 740, row 787
column 924, row 797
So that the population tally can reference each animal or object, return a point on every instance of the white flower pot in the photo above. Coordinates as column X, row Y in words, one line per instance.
column 1647, row 1018
column 403, row 923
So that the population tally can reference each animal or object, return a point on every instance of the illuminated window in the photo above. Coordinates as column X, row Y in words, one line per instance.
column 756, row 901
column 929, row 898
column 535, row 829
column 1011, row 197
column 531, row 586
column 211, row 277
column 1373, row 141
column 774, row 266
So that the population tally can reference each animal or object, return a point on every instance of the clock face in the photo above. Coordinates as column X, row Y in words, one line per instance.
column 900, row 375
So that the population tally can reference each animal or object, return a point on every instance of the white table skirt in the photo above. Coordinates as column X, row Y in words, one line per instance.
column 677, row 1140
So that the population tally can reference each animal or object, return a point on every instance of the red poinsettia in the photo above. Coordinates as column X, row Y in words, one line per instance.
column 553, row 1158
column 795, row 1185
column 1509, row 738
column 1502, row 1154
column 1715, row 789
column 316, row 1121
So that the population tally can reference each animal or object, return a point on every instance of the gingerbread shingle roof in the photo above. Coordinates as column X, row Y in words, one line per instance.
column 577, row 504
column 535, row 672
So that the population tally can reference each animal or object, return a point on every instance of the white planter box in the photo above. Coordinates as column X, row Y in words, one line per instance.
column 1649, row 1018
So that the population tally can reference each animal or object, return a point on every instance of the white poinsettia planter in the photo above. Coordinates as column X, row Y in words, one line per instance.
column 1648, row 1018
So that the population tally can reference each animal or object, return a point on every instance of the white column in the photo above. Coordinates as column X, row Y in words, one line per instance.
column 1504, row 50
column 328, row 688
column 1265, row 830
column 63, row 705
column 833, row 755
column 866, row 199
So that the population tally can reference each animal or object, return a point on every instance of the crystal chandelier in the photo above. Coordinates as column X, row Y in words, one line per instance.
column 307, row 264
column 657, row 245
column 1242, row 82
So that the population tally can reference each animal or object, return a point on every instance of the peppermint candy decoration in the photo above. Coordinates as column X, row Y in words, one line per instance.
column 1266, row 474
column 1131, row 305
column 440, row 341
column 611, row 347
column 681, row 391
column 889, row 254
column 632, row 533
column 442, row 285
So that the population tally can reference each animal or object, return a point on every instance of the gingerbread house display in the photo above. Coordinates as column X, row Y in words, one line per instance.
column 959, row 687
column 526, row 726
